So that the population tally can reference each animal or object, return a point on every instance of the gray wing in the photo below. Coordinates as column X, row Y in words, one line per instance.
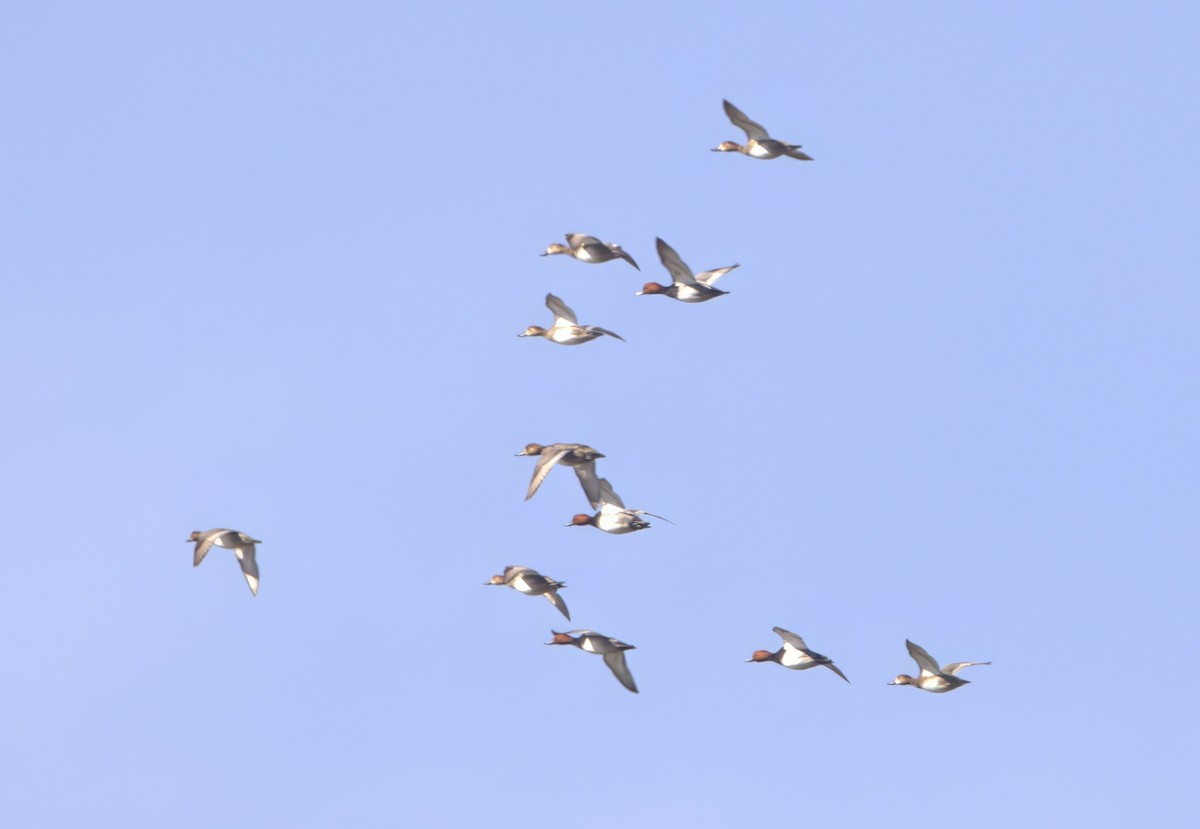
column 607, row 495
column 924, row 661
column 616, row 663
column 514, row 570
column 560, row 310
column 538, row 584
column 753, row 129
column 594, row 247
column 605, row 331
column 582, row 240
column 674, row 265
column 835, row 669
column 542, row 469
column 954, row 667
column 204, row 545
column 792, row 639
column 245, row 555
column 557, row 601
column 586, row 473
column 619, row 252
column 709, row 277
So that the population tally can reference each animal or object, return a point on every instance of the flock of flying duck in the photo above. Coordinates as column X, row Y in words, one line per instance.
column 611, row 515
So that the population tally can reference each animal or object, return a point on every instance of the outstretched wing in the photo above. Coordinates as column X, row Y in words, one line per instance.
column 586, row 472
column 679, row 271
column 596, row 250
column 605, row 331
column 202, row 548
column 954, row 667
column 709, row 277
column 535, row 581
column 792, row 639
column 514, row 570
column 557, row 601
column 542, row 469
column 245, row 555
column 619, row 252
column 562, row 314
column 616, row 663
column 835, row 669
column 753, row 129
column 924, row 661
column 581, row 240
column 608, row 498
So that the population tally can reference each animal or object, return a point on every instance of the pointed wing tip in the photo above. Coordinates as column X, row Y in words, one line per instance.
column 558, row 602
column 620, row 669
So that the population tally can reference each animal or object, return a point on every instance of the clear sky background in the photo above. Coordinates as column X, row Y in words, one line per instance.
column 263, row 267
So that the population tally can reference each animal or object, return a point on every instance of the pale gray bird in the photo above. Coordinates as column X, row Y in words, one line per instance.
column 758, row 143
column 566, row 329
column 932, row 678
column 241, row 544
column 532, row 583
column 590, row 249
column 579, row 457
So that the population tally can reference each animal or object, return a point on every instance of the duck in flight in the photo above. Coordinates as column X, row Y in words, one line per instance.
column 613, row 517
column 532, row 583
column 566, row 330
column 685, row 286
column 575, row 455
column 932, row 678
column 795, row 655
column 590, row 249
column 613, row 651
column 241, row 544
column 758, row 143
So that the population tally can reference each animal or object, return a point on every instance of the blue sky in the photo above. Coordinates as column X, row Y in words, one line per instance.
column 264, row 268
